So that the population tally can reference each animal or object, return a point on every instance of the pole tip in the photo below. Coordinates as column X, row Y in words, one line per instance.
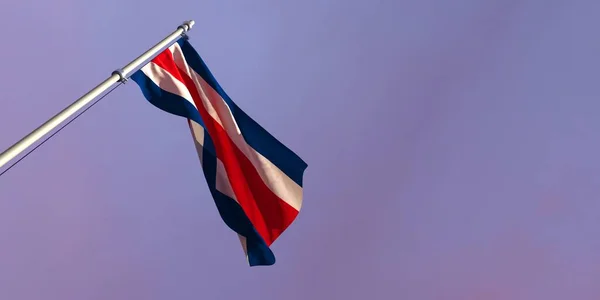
column 186, row 26
column 189, row 24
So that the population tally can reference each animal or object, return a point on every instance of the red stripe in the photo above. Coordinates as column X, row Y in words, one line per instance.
column 269, row 214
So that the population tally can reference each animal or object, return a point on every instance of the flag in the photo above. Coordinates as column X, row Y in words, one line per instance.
column 255, row 180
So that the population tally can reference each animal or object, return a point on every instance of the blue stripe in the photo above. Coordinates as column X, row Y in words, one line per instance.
column 255, row 135
column 231, row 212
column 164, row 100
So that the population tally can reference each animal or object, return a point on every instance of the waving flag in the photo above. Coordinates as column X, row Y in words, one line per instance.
column 255, row 180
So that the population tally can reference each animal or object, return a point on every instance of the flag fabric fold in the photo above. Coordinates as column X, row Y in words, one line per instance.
column 255, row 180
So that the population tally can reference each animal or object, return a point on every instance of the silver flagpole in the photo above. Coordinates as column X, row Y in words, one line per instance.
column 117, row 76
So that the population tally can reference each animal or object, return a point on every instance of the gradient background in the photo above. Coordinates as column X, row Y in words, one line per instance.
column 452, row 149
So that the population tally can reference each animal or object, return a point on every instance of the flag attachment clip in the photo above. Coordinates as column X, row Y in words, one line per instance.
column 122, row 78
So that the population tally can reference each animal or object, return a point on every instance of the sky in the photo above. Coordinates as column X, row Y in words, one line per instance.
column 452, row 151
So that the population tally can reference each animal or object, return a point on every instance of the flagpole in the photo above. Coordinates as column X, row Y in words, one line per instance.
column 117, row 76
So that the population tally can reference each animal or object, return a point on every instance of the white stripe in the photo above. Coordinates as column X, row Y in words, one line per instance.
column 277, row 181
column 222, row 180
column 198, row 135
column 178, row 56
column 244, row 244
column 182, row 65
column 167, row 82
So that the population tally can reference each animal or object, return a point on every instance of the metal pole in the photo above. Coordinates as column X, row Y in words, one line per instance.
column 120, row 75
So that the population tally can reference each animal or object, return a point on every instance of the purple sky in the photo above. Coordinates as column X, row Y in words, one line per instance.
column 452, row 149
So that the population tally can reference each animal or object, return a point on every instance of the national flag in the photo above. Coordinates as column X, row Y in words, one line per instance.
column 255, row 180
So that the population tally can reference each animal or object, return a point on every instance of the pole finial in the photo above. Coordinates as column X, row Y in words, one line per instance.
column 186, row 26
